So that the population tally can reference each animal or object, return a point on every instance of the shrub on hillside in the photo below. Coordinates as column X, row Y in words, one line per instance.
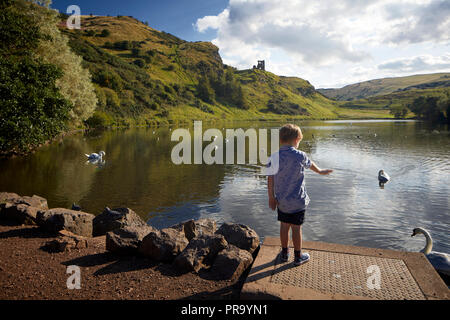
column 108, row 79
column 139, row 62
column 98, row 120
column 135, row 52
column 105, row 33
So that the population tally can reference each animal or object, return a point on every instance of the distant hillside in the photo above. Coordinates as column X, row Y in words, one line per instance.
column 145, row 76
column 386, row 86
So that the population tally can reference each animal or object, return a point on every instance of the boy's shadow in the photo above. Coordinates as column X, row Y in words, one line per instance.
column 275, row 262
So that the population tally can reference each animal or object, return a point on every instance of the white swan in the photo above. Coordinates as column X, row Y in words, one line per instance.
column 95, row 156
column 439, row 260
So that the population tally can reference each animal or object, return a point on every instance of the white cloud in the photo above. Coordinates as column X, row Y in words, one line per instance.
column 329, row 39
column 417, row 64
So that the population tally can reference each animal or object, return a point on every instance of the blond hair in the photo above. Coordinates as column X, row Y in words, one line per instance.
column 290, row 133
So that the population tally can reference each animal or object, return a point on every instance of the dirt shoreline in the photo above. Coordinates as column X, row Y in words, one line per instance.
column 29, row 272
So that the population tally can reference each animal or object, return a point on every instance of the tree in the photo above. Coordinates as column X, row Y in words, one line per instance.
column 32, row 108
column 205, row 91
column 75, row 83
column 399, row 111
column 430, row 108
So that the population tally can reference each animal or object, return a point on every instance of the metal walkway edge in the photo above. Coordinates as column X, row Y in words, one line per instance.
column 343, row 272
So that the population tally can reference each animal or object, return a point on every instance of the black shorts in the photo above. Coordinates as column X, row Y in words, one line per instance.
column 296, row 218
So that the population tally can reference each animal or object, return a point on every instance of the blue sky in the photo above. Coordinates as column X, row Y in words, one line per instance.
column 173, row 16
column 330, row 43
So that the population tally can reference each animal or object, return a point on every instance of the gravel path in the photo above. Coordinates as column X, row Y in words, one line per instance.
column 29, row 272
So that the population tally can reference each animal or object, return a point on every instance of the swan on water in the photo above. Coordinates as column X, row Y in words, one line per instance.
column 439, row 260
column 95, row 156
column 383, row 177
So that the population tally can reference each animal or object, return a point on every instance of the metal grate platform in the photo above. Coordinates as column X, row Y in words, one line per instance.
column 332, row 272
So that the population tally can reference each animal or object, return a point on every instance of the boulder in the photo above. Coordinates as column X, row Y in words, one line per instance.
column 22, row 210
column 193, row 228
column 57, row 219
column 126, row 240
column 33, row 201
column 230, row 263
column 8, row 197
column 110, row 220
column 200, row 252
column 66, row 241
column 240, row 235
column 20, row 213
column 163, row 245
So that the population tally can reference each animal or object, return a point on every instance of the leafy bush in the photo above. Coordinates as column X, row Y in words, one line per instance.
column 75, row 83
column 89, row 33
column 105, row 33
column 205, row 91
column 122, row 45
column 398, row 111
column 139, row 62
column 135, row 52
column 98, row 120
column 108, row 79
column 432, row 108
column 33, row 110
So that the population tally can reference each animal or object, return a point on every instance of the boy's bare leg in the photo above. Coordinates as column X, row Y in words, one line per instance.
column 297, row 237
column 284, row 234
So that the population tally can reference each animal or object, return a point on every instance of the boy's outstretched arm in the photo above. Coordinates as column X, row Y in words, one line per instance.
column 272, row 200
column 316, row 169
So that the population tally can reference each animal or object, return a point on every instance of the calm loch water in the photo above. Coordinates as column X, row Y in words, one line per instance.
column 346, row 207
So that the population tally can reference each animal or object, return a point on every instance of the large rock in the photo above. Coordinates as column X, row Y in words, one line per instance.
column 110, row 220
column 33, row 201
column 230, row 263
column 240, row 235
column 193, row 228
column 22, row 210
column 200, row 252
column 8, row 196
column 19, row 213
column 66, row 242
column 127, row 240
column 163, row 245
column 57, row 219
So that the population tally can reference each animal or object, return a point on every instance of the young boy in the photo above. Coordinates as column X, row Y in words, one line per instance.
column 287, row 190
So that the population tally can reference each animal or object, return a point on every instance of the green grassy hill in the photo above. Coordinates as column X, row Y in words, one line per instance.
column 145, row 76
column 386, row 86
column 394, row 100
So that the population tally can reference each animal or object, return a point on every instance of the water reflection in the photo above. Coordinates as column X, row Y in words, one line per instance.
column 346, row 207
